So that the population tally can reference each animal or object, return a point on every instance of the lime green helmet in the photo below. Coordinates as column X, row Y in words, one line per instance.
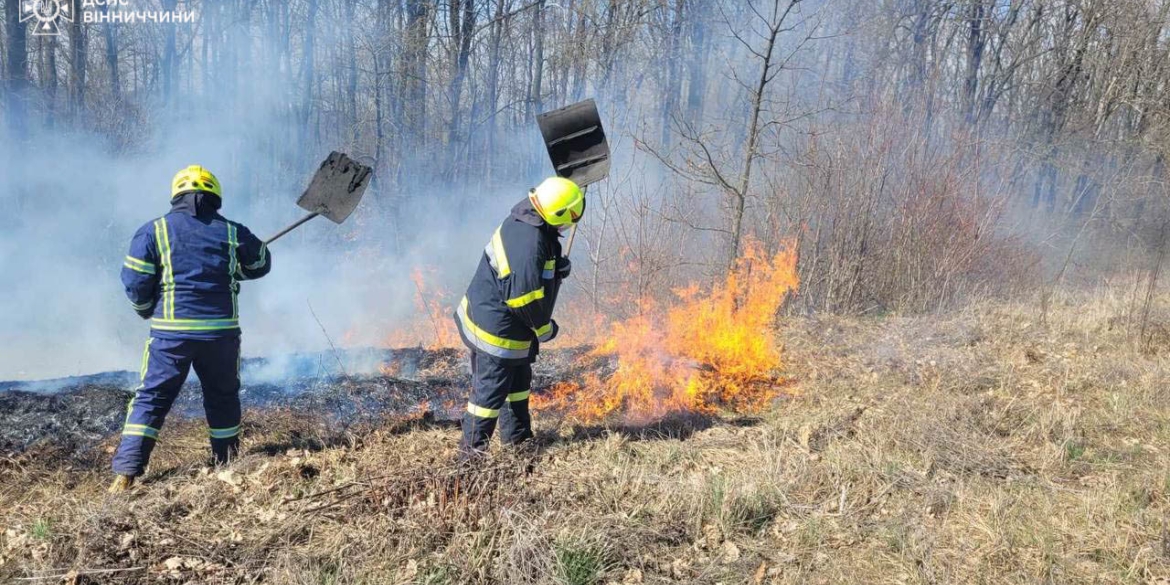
column 559, row 201
column 195, row 178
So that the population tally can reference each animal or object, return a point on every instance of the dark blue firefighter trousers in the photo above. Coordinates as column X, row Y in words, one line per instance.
column 165, row 364
column 499, row 392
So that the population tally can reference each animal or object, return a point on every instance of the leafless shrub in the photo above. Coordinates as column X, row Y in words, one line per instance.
column 887, row 222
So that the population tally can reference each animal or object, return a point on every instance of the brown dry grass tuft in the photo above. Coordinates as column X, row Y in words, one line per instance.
column 974, row 447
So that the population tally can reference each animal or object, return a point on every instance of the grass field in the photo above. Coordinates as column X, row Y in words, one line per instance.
column 975, row 447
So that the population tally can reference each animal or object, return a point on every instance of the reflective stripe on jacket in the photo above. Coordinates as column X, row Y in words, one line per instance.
column 184, row 270
column 509, row 303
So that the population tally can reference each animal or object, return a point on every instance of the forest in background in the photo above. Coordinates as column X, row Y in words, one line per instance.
column 969, row 385
column 917, row 153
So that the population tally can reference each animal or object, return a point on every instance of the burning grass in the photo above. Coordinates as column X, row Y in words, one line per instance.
column 432, row 328
column 967, row 448
column 708, row 350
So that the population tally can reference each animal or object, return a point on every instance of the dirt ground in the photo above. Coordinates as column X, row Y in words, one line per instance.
column 975, row 447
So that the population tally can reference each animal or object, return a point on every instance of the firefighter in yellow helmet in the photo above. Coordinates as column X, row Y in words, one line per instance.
column 507, row 311
column 183, row 273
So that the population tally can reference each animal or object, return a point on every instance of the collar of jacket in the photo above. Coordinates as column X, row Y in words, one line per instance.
column 523, row 211
column 198, row 204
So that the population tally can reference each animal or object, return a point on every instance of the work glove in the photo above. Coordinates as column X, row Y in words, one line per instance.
column 145, row 313
column 563, row 268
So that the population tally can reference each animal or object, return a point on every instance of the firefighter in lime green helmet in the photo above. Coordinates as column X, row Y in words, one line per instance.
column 507, row 311
column 183, row 273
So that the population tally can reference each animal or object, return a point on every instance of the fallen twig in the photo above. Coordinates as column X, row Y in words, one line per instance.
column 79, row 573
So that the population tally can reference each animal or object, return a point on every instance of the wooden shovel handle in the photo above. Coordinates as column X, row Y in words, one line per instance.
column 573, row 230
column 569, row 243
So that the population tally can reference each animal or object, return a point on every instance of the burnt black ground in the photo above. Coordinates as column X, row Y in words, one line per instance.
column 70, row 416
column 71, row 420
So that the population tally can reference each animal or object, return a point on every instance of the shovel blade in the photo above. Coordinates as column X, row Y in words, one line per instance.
column 576, row 142
column 337, row 187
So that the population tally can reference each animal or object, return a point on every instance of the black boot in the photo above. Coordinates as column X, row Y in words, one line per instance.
column 515, row 423
column 477, row 432
column 224, row 451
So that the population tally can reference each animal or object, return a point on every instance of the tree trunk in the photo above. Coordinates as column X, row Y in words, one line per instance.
column 112, row 56
column 77, row 61
column 608, row 47
column 535, row 93
column 976, row 40
column 351, row 72
column 672, row 89
column 168, row 60
column 463, row 26
column 493, row 84
column 739, row 197
column 307, row 76
column 381, row 64
column 208, row 26
column 47, row 47
column 414, row 76
column 581, row 63
column 697, row 84
column 17, row 74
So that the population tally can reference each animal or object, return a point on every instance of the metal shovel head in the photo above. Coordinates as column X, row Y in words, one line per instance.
column 576, row 142
column 337, row 187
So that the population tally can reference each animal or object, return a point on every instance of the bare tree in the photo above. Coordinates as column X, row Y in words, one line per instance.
column 702, row 162
column 17, row 74
column 764, row 133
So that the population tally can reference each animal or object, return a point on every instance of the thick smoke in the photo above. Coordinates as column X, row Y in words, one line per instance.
column 73, row 202
column 247, row 104
column 76, row 186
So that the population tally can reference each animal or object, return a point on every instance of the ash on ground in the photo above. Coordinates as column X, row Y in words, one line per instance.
column 70, row 417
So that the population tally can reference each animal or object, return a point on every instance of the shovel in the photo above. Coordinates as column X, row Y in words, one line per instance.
column 334, row 191
column 576, row 145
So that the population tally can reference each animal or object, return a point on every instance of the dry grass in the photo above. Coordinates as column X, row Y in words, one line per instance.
column 977, row 447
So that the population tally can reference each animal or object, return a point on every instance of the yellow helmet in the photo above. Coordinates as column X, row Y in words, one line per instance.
column 195, row 178
column 558, row 200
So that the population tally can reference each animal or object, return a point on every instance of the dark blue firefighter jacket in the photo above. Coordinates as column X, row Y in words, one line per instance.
column 184, row 269
column 507, row 311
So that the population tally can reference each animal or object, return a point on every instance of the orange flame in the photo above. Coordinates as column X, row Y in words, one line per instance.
column 390, row 369
column 432, row 326
column 707, row 351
